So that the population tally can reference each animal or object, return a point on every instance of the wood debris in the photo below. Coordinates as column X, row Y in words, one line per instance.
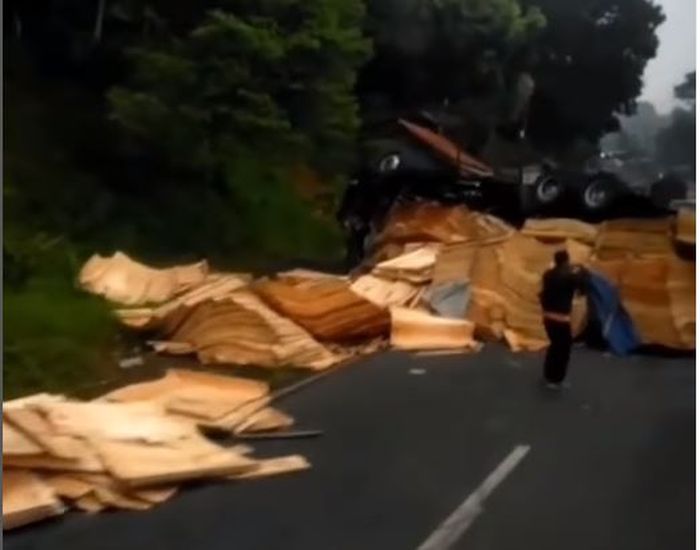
column 201, row 396
column 328, row 308
column 383, row 292
column 168, row 316
column 685, row 226
column 274, row 467
column 634, row 238
column 428, row 257
column 244, row 330
column 125, row 281
column 139, row 465
column 415, row 266
column 454, row 263
column 26, row 499
column 416, row 330
column 560, row 229
column 131, row 449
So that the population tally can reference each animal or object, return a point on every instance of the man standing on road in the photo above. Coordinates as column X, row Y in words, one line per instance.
column 559, row 285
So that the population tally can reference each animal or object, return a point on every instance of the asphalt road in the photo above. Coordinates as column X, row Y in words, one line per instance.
column 610, row 467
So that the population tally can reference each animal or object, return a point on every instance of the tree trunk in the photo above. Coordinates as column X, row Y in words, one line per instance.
column 99, row 20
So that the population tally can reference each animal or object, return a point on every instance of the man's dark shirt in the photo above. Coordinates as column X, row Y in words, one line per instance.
column 558, row 288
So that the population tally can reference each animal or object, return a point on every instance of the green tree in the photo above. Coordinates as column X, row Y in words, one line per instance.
column 429, row 51
column 590, row 62
column 276, row 76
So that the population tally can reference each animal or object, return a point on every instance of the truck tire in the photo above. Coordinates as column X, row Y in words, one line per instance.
column 547, row 190
column 598, row 194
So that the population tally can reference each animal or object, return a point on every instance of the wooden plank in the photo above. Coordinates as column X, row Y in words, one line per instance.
column 15, row 442
column 26, row 499
column 275, row 466
column 139, row 465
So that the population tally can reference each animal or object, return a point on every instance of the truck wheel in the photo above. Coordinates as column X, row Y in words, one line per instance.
column 547, row 190
column 598, row 194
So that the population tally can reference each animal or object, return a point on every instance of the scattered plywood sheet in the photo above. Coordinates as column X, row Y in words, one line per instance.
column 26, row 499
column 172, row 348
column 268, row 467
column 685, row 225
column 658, row 293
column 486, row 267
column 327, row 308
column 61, row 449
column 166, row 318
column 88, row 462
column 89, row 504
column 681, row 289
column 560, row 229
column 111, row 498
column 139, row 465
column 264, row 420
column 106, row 492
column 69, row 486
column 232, row 420
column 383, row 292
column 426, row 222
column 155, row 495
column 454, row 263
column 414, row 267
column 433, row 222
column 630, row 238
column 524, row 261
column 34, row 399
column 487, row 310
column 416, row 330
column 364, row 348
column 244, row 330
column 125, row 281
column 200, row 395
column 139, row 421
column 16, row 443
column 305, row 274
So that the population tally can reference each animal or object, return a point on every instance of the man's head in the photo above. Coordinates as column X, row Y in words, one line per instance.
column 561, row 258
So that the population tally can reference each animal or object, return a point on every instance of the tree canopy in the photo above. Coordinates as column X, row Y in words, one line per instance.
column 276, row 75
column 429, row 51
column 590, row 62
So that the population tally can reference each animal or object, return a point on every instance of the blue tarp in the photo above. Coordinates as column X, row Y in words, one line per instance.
column 616, row 325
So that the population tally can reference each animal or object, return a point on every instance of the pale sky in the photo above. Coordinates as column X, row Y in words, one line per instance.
column 675, row 55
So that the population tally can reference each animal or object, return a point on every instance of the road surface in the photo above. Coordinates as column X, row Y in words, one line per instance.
column 408, row 438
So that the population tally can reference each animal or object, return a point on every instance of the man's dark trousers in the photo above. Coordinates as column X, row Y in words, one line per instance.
column 557, row 360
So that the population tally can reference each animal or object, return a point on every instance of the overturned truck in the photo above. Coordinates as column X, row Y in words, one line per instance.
column 410, row 160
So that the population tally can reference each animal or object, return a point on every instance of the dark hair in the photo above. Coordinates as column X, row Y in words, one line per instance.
column 561, row 257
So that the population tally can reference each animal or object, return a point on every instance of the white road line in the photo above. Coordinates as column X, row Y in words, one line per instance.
column 459, row 521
